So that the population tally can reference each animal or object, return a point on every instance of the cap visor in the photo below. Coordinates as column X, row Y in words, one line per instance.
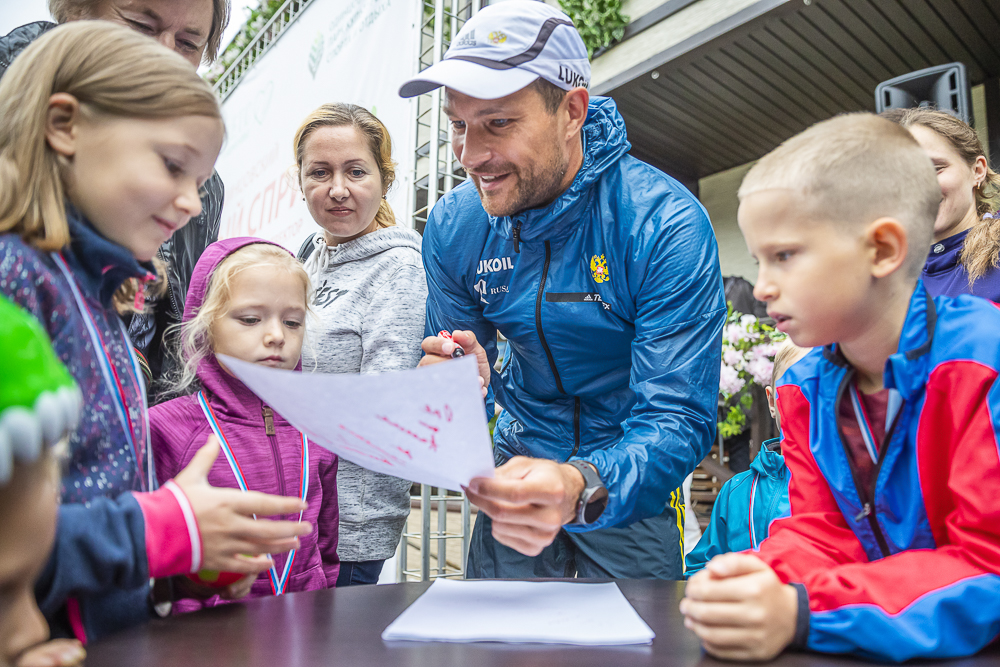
column 470, row 79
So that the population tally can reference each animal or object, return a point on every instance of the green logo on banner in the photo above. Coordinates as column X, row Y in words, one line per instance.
column 316, row 54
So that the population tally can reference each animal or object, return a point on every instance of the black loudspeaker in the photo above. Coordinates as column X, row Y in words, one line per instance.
column 944, row 87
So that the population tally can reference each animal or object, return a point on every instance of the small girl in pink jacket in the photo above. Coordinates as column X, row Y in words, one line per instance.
column 248, row 299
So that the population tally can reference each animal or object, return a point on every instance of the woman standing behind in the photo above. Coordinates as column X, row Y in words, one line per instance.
column 965, row 257
column 369, row 303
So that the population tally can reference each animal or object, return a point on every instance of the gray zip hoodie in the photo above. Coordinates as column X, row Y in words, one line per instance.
column 369, row 306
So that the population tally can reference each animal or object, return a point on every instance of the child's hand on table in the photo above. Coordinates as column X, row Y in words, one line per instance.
column 53, row 653
column 739, row 608
column 185, row 587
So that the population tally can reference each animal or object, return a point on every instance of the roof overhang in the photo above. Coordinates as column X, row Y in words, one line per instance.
column 707, row 85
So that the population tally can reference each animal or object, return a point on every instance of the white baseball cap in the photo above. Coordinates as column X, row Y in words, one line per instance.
column 504, row 48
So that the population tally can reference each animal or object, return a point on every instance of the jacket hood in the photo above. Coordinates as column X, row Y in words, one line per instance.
column 203, row 270
column 769, row 462
column 233, row 398
column 604, row 143
column 365, row 246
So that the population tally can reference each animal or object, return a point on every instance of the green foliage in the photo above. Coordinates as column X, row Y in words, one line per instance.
column 734, row 423
column 600, row 22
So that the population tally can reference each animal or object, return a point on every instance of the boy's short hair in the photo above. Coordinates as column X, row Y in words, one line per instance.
column 854, row 169
column 786, row 355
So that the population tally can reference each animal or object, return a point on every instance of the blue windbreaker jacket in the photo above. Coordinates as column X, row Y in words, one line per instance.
column 744, row 509
column 911, row 566
column 611, row 299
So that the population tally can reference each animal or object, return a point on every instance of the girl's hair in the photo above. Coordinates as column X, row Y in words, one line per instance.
column 64, row 11
column 195, row 340
column 785, row 358
column 111, row 71
column 982, row 245
column 374, row 132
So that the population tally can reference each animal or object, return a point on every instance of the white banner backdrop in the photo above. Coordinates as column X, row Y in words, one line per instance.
column 355, row 51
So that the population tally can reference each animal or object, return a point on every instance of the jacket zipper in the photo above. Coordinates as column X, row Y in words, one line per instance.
column 867, row 496
column 538, row 318
column 273, row 440
column 170, row 292
column 517, row 237
column 576, row 427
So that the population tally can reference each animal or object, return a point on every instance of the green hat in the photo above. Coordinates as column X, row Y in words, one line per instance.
column 39, row 400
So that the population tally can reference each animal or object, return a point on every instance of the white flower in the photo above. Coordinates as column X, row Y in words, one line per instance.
column 732, row 357
column 730, row 381
column 761, row 369
column 748, row 321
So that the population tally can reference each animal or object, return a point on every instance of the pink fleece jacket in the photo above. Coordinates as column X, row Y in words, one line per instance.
column 270, row 463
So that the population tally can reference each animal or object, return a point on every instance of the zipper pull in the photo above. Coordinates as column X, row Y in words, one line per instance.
column 268, row 419
column 865, row 511
column 517, row 237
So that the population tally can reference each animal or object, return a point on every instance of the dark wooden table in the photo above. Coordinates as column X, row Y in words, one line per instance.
column 343, row 628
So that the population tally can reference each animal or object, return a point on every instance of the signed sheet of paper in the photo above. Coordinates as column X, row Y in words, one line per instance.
column 548, row 612
column 427, row 425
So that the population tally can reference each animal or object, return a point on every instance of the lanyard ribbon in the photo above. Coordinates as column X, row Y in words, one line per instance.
column 892, row 409
column 753, row 494
column 278, row 584
column 112, row 379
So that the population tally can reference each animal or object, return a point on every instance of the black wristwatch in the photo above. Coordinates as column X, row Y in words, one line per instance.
column 588, row 512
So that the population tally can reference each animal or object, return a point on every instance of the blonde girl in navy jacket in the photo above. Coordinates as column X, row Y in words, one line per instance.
column 106, row 138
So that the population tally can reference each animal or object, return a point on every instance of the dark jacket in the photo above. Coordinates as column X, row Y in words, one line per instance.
column 944, row 275
column 180, row 253
column 18, row 39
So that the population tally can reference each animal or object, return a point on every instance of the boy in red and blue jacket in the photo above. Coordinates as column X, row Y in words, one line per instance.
column 892, row 547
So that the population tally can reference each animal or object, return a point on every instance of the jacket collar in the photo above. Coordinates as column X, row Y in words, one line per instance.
column 210, row 258
column 100, row 266
column 604, row 143
column 907, row 369
column 769, row 462
column 229, row 397
column 944, row 255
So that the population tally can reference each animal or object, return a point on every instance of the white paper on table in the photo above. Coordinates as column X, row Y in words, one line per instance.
column 548, row 612
column 427, row 425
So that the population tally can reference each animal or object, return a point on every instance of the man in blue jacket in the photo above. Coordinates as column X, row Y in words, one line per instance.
column 603, row 275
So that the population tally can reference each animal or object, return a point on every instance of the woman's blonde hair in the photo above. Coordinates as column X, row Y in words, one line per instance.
column 375, row 134
column 195, row 340
column 982, row 245
column 111, row 71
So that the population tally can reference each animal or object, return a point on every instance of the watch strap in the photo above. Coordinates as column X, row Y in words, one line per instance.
column 587, row 512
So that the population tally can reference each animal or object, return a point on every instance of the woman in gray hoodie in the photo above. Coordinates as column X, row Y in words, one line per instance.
column 369, row 303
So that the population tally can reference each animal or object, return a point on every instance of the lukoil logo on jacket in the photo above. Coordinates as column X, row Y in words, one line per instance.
column 494, row 265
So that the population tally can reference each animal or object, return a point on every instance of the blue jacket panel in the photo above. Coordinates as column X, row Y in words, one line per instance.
column 744, row 509
column 611, row 299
